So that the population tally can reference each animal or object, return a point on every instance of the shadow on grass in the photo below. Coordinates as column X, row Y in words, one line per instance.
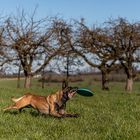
column 11, row 112
column 33, row 113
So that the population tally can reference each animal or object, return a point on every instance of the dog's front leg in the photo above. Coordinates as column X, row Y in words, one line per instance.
column 71, row 115
column 54, row 112
column 65, row 114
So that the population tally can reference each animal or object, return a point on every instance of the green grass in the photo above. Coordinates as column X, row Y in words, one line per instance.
column 109, row 115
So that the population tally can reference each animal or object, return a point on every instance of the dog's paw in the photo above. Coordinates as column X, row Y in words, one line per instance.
column 71, row 115
column 76, row 115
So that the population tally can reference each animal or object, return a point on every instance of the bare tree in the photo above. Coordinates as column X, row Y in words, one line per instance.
column 94, row 45
column 65, row 37
column 126, row 43
column 30, row 41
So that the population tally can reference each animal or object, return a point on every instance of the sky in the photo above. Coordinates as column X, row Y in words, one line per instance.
column 94, row 11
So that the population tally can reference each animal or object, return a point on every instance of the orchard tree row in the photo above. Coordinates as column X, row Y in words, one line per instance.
column 32, row 44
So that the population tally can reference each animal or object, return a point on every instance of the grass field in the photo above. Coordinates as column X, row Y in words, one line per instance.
column 110, row 115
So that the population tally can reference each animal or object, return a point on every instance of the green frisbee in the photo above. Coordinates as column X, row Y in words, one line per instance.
column 85, row 92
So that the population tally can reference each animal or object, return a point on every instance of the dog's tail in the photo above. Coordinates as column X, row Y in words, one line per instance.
column 16, row 99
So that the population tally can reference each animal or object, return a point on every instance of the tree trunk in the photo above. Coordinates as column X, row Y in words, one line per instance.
column 18, row 80
column 67, row 69
column 105, row 81
column 27, row 83
column 129, row 84
column 43, row 78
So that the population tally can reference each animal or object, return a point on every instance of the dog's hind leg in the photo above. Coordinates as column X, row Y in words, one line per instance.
column 11, row 107
column 16, row 106
column 20, row 103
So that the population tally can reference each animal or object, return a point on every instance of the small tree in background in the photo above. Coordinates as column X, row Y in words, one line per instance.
column 67, row 59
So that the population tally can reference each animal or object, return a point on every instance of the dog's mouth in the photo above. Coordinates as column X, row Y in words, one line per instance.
column 72, row 92
column 69, row 94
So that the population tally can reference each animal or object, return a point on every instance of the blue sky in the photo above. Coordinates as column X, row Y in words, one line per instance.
column 94, row 11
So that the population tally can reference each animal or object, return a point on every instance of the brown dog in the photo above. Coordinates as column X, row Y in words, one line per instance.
column 53, row 104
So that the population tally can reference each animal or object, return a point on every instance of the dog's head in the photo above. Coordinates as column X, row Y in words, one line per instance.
column 68, row 92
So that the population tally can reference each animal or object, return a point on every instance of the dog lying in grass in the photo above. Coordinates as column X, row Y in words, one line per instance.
column 54, row 104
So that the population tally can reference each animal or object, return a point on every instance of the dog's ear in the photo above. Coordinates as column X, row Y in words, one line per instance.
column 64, row 85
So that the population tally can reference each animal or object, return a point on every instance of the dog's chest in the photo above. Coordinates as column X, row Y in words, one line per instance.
column 58, row 106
